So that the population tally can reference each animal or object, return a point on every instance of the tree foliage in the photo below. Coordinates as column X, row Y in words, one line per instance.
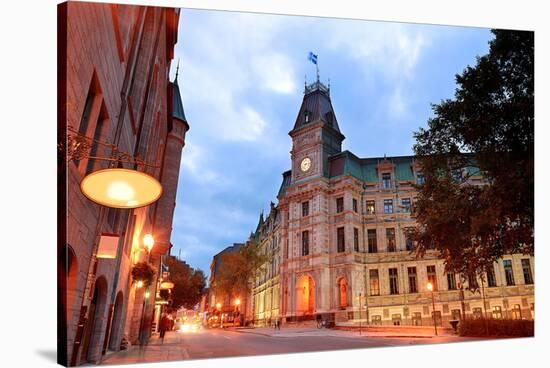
column 189, row 283
column 489, row 125
column 236, row 270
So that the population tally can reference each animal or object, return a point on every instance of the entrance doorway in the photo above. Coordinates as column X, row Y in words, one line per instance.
column 92, row 333
column 305, row 295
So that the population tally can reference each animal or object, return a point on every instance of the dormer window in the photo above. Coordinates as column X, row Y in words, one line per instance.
column 307, row 116
column 329, row 117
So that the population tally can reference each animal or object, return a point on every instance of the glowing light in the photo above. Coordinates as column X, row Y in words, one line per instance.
column 147, row 294
column 121, row 188
column 139, row 284
column 430, row 286
column 238, row 302
column 148, row 241
column 218, row 305
column 166, row 285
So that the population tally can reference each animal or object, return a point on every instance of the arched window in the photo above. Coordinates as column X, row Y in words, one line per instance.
column 343, row 293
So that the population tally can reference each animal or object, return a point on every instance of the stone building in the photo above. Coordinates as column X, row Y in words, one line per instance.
column 339, row 230
column 114, row 63
column 266, row 286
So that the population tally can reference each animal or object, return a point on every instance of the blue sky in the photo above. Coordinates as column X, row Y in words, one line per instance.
column 242, row 81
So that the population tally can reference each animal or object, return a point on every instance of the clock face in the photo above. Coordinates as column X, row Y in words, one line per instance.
column 305, row 164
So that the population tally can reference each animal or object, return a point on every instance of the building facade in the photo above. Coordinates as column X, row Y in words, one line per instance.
column 114, row 90
column 340, row 232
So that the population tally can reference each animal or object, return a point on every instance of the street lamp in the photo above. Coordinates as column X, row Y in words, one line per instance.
column 148, row 242
column 431, row 289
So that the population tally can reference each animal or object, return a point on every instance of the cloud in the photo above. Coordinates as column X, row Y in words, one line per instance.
column 390, row 49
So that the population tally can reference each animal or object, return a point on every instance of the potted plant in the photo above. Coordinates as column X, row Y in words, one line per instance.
column 143, row 272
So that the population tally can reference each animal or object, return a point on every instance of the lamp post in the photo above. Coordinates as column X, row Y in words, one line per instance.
column 148, row 243
column 431, row 289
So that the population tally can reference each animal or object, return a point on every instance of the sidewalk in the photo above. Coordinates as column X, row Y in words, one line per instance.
column 155, row 351
column 341, row 332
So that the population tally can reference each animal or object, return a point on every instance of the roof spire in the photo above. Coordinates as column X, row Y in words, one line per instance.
column 177, row 72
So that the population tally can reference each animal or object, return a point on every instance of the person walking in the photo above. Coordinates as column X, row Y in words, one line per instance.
column 163, row 326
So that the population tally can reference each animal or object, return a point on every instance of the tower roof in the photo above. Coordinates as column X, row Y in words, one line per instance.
column 316, row 106
column 177, row 104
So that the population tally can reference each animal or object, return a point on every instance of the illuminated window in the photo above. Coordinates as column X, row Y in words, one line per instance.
column 371, row 210
column 432, row 278
column 374, row 283
column 497, row 312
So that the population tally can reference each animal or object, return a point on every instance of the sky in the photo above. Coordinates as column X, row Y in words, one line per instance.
column 242, row 81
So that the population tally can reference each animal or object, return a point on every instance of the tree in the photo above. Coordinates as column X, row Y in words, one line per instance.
column 237, row 269
column 189, row 283
column 487, row 129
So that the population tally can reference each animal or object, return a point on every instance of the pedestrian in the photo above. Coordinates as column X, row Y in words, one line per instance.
column 164, row 325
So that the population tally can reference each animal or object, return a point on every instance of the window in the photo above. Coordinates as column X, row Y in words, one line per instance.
column 376, row 320
column 406, row 205
column 432, row 276
column 356, row 239
column 390, row 238
column 408, row 238
column 341, row 240
column 516, row 312
column 396, row 319
column 388, row 206
column 371, row 238
column 339, row 204
column 354, row 203
column 455, row 314
column 457, row 174
column 394, row 287
column 99, row 133
column 420, row 180
column 374, row 283
column 477, row 313
column 497, row 312
column 509, row 272
column 305, row 243
column 491, row 280
column 371, row 207
column 437, row 315
column 386, row 180
column 306, row 116
column 472, row 281
column 412, row 280
column 451, row 281
column 416, row 319
column 305, row 209
column 527, row 275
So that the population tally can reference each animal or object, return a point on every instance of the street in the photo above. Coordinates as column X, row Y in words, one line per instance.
column 215, row 343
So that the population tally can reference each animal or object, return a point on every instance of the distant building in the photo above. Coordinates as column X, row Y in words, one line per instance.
column 225, row 302
column 340, row 246
column 114, row 62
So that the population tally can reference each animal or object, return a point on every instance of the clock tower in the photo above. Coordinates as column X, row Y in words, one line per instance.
column 315, row 135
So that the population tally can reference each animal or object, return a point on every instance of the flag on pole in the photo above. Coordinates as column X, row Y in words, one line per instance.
column 312, row 57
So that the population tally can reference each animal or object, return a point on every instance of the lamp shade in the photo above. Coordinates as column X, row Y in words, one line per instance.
column 121, row 188
column 166, row 285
